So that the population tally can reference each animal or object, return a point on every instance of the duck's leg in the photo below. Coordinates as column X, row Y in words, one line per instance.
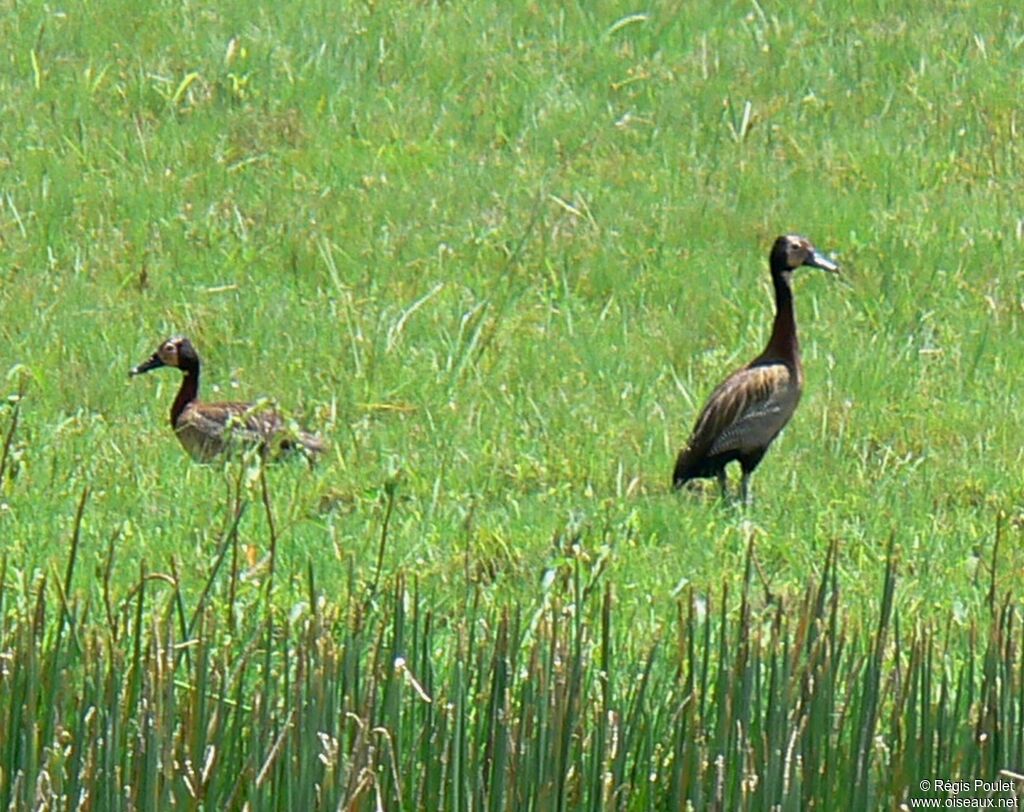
column 745, row 489
column 722, row 484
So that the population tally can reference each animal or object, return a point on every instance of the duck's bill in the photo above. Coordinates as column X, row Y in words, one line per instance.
column 152, row 363
column 821, row 261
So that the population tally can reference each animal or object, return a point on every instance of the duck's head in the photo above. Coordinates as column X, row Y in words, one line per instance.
column 790, row 251
column 176, row 351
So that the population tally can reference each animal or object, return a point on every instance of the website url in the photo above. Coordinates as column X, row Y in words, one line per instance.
column 963, row 803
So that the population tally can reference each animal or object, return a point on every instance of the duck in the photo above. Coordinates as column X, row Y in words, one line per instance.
column 208, row 430
column 747, row 411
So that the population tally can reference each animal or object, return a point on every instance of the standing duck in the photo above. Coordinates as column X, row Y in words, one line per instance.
column 208, row 429
column 748, row 409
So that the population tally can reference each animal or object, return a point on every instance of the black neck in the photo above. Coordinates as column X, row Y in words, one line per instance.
column 783, row 343
column 188, row 392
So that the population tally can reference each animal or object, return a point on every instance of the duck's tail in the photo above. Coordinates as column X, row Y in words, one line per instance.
column 312, row 444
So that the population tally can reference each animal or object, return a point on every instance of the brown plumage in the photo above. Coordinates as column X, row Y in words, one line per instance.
column 206, row 430
column 750, row 407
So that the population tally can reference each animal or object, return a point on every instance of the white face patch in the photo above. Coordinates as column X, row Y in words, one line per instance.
column 168, row 353
column 797, row 251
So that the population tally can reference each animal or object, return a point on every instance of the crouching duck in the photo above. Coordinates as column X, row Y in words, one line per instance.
column 207, row 430
column 748, row 409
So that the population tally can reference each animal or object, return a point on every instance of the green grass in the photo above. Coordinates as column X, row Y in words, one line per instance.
column 384, row 704
column 499, row 256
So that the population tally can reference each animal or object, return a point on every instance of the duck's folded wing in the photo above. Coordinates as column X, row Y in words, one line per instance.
column 245, row 421
column 207, row 429
column 748, row 408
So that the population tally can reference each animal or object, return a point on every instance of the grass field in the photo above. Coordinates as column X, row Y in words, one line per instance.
column 498, row 255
